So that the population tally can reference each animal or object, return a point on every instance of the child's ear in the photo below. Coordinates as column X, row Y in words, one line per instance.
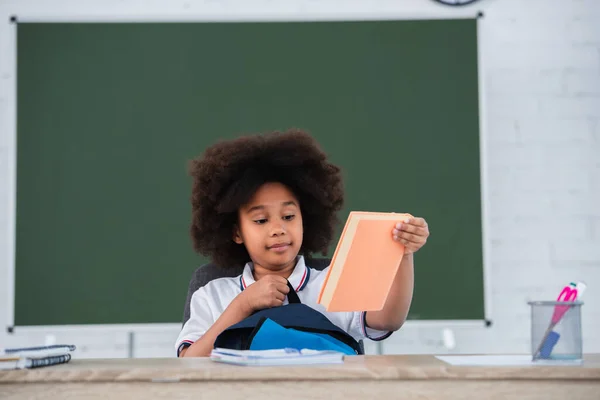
column 237, row 237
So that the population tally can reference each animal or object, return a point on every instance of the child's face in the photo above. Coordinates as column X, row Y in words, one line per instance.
column 270, row 226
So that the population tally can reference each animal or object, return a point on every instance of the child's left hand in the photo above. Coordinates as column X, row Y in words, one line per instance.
column 412, row 233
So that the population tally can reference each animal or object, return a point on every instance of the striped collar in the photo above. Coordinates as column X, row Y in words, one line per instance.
column 299, row 277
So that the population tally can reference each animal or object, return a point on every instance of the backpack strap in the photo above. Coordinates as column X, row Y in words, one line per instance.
column 292, row 295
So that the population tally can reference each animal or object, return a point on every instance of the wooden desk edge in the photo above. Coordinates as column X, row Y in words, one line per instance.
column 360, row 368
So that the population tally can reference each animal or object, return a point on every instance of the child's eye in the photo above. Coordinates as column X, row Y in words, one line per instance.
column 289, row 217
column 260, row 221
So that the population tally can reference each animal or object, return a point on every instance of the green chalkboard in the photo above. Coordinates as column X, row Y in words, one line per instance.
column 109, row 114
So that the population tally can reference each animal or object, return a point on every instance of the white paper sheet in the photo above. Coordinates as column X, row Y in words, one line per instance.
column 501, row 360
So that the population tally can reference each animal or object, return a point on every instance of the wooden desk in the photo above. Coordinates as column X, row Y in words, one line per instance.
column 360, row 377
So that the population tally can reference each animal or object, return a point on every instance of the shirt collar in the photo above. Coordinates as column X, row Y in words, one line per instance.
column 298, row 279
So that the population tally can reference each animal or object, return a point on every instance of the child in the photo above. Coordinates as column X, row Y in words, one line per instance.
column 267, row 202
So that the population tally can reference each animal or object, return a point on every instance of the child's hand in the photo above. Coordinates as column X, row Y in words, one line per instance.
column 269, row 291
column 412, row 233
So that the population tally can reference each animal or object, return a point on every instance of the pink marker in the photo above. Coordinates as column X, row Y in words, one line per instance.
column 570, row 293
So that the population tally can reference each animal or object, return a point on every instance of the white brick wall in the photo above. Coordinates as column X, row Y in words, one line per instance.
column 543, row 84
column 542, row 96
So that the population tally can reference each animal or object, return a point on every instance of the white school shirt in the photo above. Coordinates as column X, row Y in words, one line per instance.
column 209, row 302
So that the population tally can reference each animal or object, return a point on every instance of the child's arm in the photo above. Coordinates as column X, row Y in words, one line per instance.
column 413, row 233
column 394, row 312
column 234, row 313
column 269, row 291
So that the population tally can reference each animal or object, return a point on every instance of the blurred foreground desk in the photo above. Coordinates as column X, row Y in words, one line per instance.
column 360, row 377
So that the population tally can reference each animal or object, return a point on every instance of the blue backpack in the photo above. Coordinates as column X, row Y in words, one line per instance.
column 294, row 325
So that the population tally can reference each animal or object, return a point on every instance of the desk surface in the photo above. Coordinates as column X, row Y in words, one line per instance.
column 372, row 368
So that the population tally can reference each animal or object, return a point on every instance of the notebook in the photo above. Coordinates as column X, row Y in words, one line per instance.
column 35, row 357
column 276, row 357
column 364, row 263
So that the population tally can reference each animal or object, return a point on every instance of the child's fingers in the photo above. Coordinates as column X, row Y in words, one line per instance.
column 412, row 233
column 417, row 230
column 283, row 288
column 409, row 238
column 417, row 221
column 410, row 247
column 279, row 296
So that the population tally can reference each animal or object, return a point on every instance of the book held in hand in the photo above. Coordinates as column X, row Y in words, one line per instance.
column 364, row 263
column 276, row 357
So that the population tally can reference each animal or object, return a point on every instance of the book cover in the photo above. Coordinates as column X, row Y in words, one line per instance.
column 364, row 263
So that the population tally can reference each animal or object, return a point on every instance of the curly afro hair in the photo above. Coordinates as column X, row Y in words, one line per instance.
column 229, row 172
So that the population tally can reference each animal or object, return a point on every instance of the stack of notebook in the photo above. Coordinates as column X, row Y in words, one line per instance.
column 276, row 357
column 35, row 357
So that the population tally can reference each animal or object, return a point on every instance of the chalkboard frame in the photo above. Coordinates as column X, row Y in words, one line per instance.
column 10, row 174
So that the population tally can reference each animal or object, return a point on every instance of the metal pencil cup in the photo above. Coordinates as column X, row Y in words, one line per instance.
column 556, row 331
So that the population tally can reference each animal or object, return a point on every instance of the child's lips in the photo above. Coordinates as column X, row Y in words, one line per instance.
column 280, row 247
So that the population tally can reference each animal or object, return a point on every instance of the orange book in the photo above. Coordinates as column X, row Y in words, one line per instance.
column 364, row 263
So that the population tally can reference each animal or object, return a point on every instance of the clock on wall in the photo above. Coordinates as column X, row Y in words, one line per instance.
column 455, row 2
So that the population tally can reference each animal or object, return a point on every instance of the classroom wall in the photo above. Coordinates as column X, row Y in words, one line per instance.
column 541, row 108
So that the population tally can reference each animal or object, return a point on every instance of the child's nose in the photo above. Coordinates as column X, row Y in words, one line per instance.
column 277, row 230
